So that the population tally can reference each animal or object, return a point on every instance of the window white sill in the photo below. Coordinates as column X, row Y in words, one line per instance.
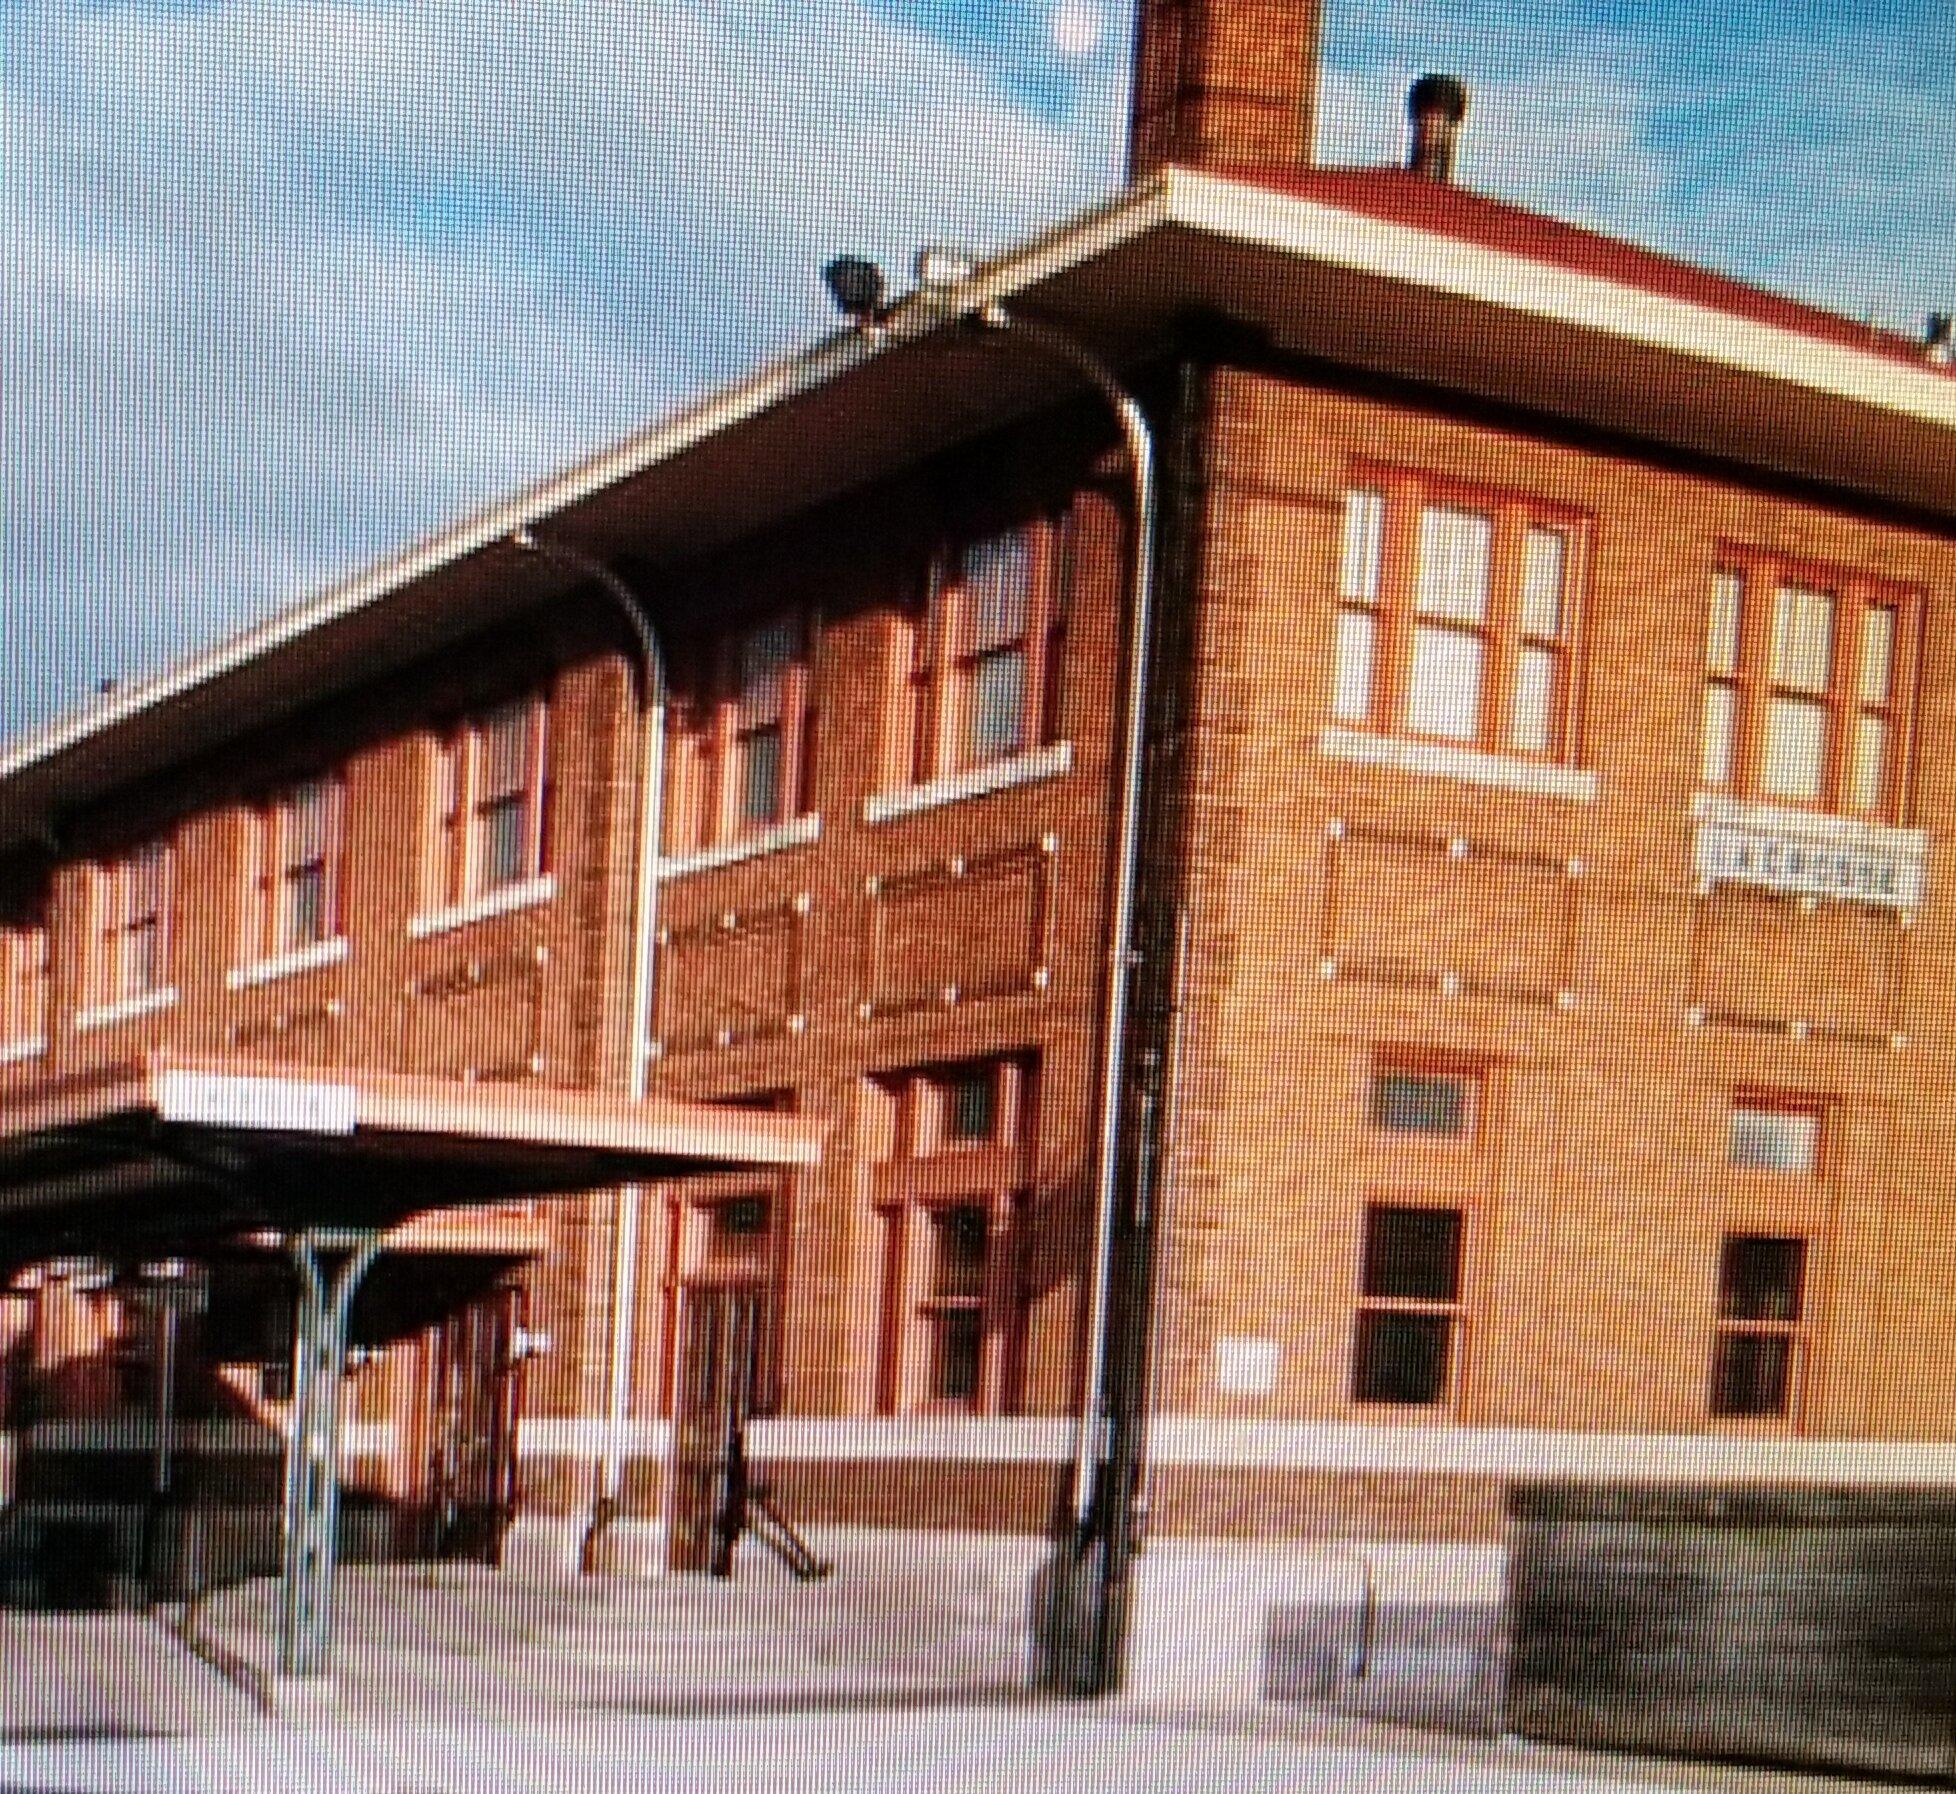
column 286, row 965
column 18, row 1052
column 797, row 832
column 527, row 895
column 124, row 1009
column 979, row 781
column 1439, row 760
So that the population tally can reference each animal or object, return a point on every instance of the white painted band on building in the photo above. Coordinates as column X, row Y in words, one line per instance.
column 872, row 1439
column 137, row 1432
column 585, row 1438
column 1521, row 1453
column 1187, row 1442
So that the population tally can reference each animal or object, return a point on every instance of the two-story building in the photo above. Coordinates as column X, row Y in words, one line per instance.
column 1539, row 966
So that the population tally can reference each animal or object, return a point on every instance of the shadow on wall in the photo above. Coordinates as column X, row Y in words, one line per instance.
column 105, row 1504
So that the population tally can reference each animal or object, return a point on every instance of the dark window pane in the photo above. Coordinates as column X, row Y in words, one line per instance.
column 955, row 1358
column 1752, row 1374
column 1413, row 1253
column 737, row 1233
column 1418, row 1102
column 1761, row 1277
column 970, row 1106
column 760, row 778
column 959, row 1268
column 1401, row 1358
column 305, row 914
column 503, row 846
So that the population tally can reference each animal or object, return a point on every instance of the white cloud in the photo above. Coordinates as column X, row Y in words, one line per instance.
column 292, row 282
column 284, row 282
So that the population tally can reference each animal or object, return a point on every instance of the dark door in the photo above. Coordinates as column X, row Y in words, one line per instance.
column 720, row 1360
column 474, row 1400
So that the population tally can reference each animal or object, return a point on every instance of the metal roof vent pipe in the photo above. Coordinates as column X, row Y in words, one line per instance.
column 1436, row 105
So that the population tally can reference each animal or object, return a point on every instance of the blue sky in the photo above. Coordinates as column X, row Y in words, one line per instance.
column 285, row 284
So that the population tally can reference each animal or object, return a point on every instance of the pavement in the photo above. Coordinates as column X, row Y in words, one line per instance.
column 451, row 1681
column 943, row 1748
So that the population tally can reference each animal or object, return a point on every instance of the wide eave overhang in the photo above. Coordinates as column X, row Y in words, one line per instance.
column 1315, row 279
column 176, row 1147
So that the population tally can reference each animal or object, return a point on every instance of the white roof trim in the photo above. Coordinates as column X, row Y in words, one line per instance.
column 1534, row 288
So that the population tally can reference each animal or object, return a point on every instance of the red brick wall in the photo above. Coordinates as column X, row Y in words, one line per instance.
column 1596, row 1202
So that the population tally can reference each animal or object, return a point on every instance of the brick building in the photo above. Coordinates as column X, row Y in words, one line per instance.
column 1540, row 996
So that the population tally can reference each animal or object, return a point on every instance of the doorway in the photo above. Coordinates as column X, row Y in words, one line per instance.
column 474, row 1398
column 721, row 1347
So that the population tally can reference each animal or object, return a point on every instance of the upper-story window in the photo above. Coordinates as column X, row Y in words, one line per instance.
column 1456, row 617
column 745, row 765
column 1805, row 687
column 135, row 900
column 24, row 972
column 300, row 841
column 491, row 803
column 985, row 651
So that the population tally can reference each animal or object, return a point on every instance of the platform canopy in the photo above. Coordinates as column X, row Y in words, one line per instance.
column 178, row 1147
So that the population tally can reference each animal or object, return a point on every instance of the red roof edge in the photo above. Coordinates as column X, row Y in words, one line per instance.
column 1398, row 196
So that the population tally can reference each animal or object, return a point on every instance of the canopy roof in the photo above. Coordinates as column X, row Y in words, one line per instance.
column 179, row 1147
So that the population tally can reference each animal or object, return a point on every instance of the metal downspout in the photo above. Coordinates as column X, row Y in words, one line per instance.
column 628, row 1203
column 1089, row 1446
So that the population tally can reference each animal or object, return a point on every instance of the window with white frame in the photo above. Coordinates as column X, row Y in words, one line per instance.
column 491, row 803
column 295, row 884
column 954, row 1145
column 135, row 898
column 744, row 766
column 1806, row 681
column 986, row 651
column 1456, row 617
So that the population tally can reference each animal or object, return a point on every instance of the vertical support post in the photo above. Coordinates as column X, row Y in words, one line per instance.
column 312, row 1453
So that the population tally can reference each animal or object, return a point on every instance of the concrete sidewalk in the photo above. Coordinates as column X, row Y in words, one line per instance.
column 108, row 1675
column 947, row 1749
column 437, row 1641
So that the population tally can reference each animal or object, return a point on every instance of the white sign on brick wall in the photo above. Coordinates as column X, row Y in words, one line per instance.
column 285, row 1105
column 1246, row 1366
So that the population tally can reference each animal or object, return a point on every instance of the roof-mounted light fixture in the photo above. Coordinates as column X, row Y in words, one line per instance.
column 859, row 290
column 939, row 267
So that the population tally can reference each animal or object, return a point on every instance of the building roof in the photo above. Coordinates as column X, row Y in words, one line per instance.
column 1351, row 268
column 1450, row 210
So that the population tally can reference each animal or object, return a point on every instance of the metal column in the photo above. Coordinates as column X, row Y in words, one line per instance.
column 312, row 1452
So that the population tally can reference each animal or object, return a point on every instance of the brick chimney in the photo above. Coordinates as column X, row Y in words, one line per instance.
column 1224, row 84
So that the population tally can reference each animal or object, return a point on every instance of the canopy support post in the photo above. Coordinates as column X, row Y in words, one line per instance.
column 312, row 1452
